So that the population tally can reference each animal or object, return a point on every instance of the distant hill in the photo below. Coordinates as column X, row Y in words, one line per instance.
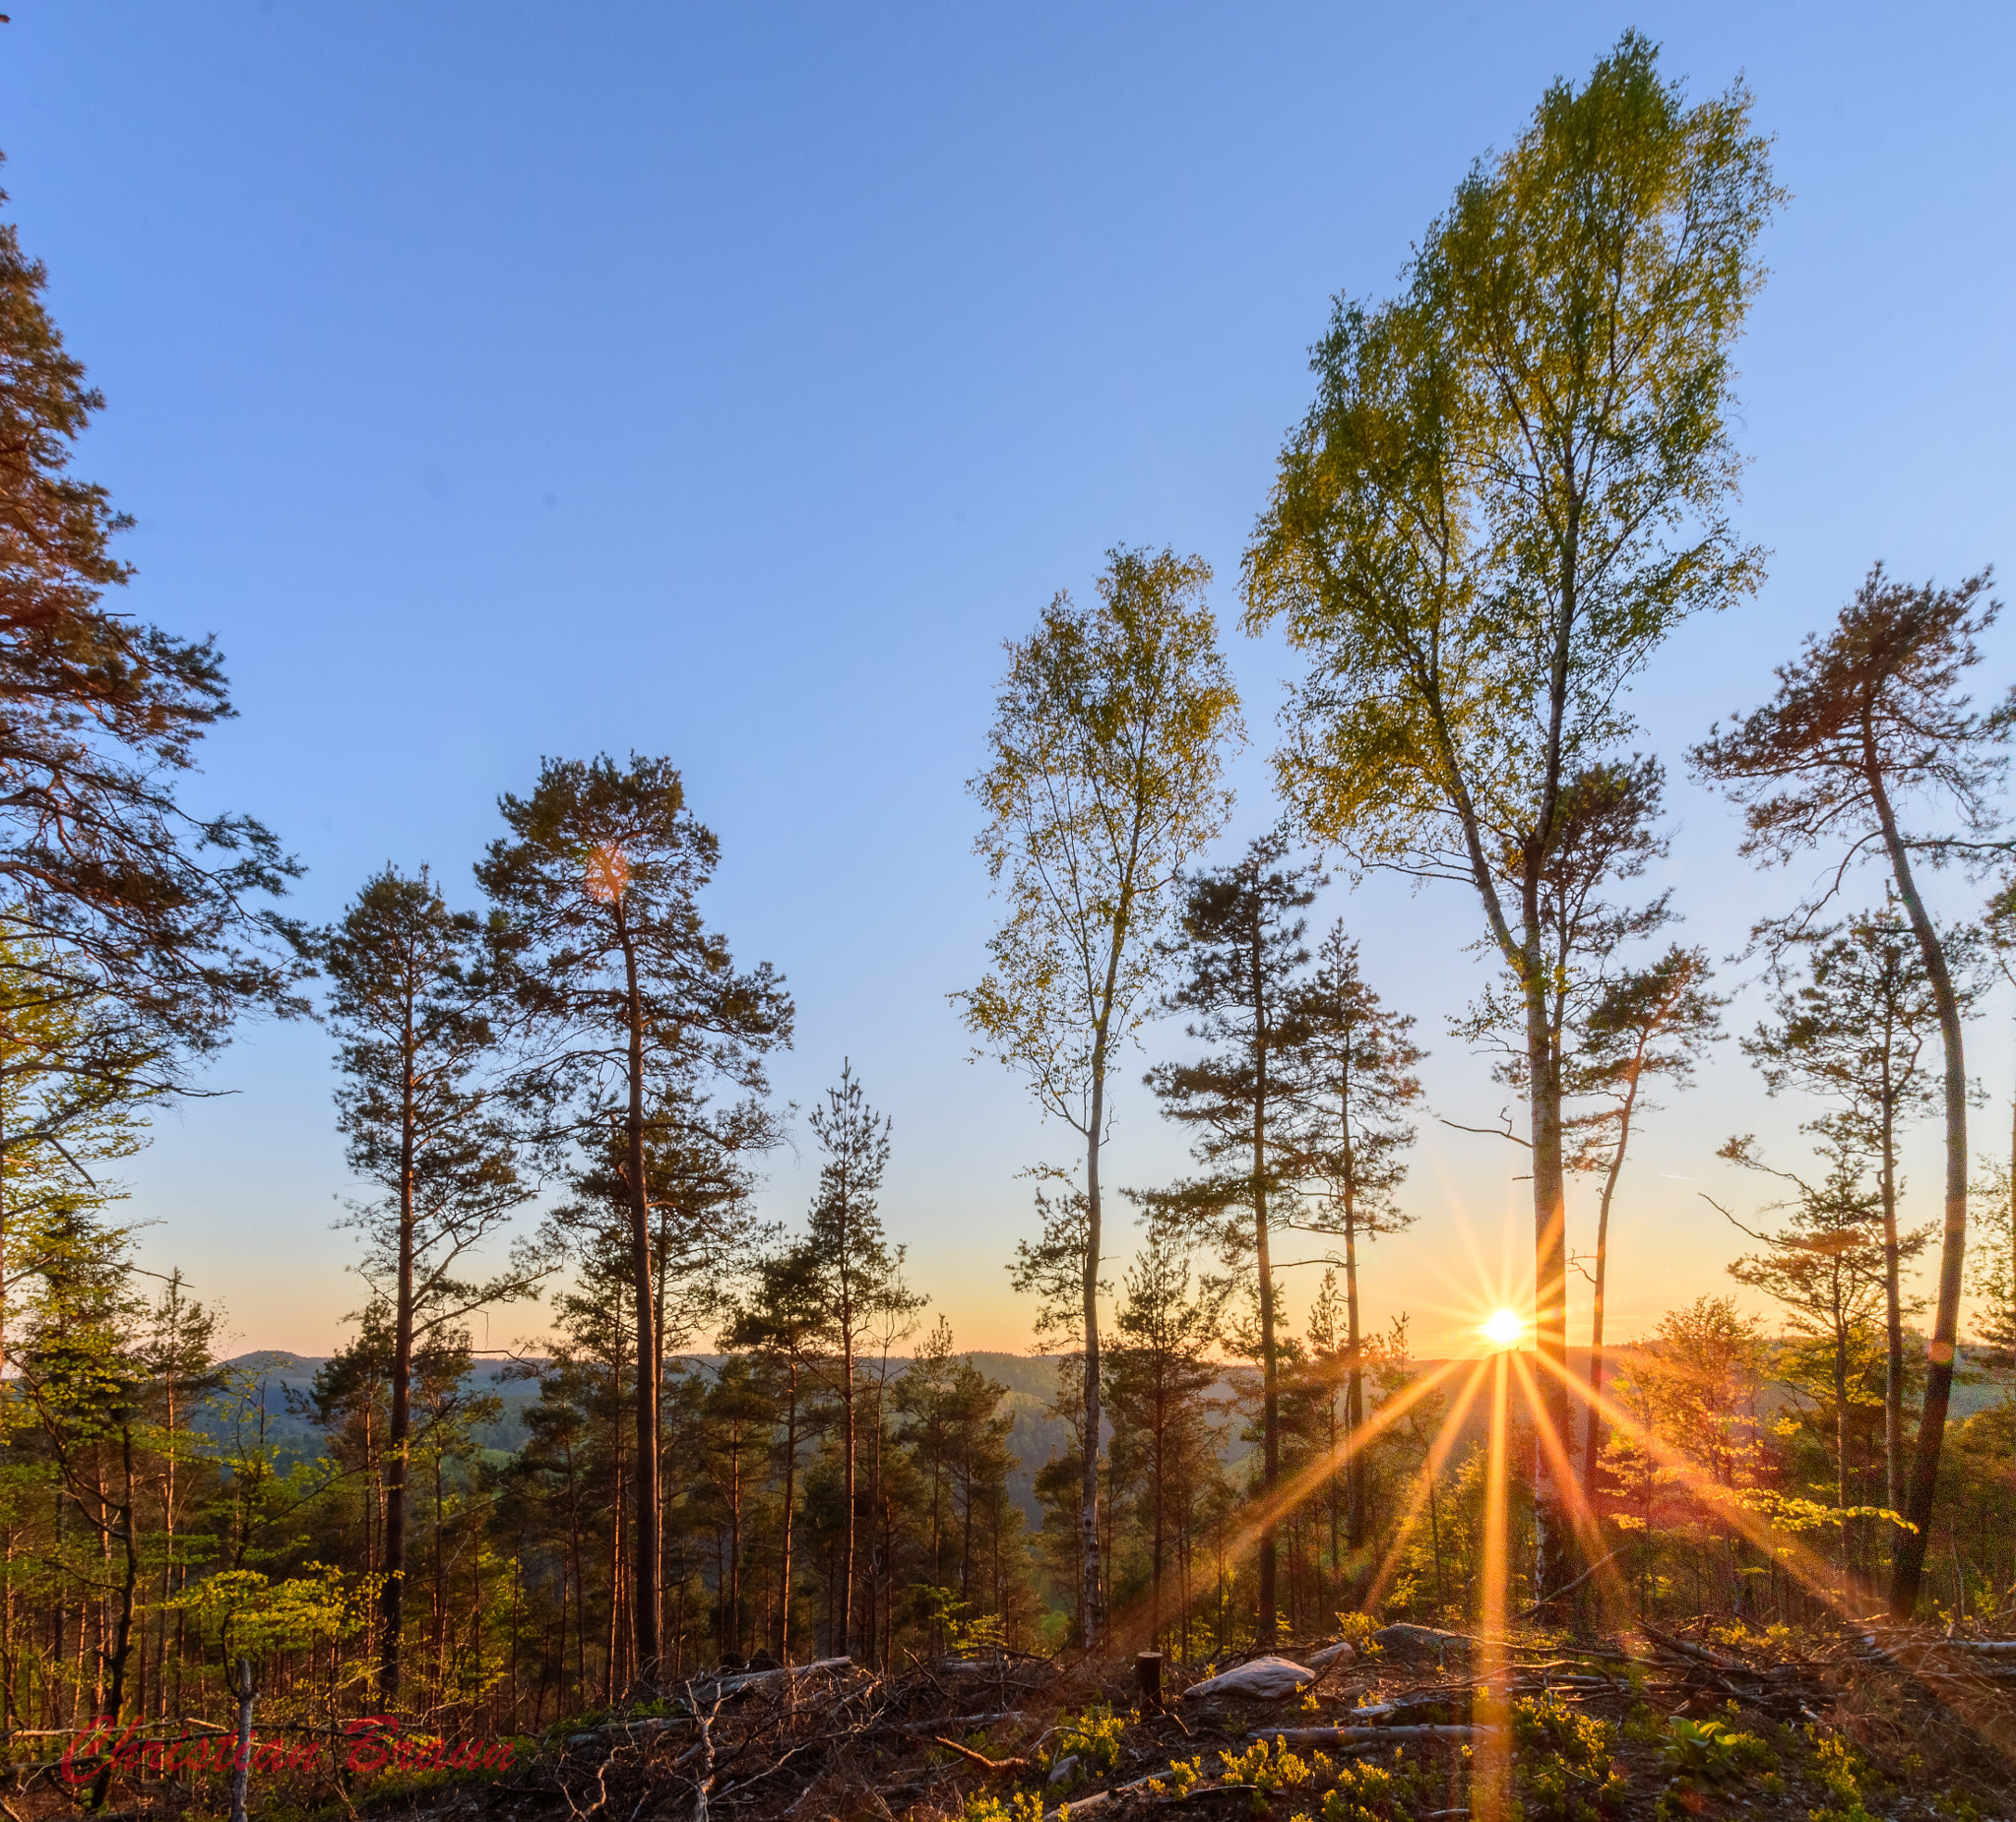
column 267, row 1403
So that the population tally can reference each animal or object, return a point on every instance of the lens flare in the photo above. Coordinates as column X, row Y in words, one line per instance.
column 1503, row 1327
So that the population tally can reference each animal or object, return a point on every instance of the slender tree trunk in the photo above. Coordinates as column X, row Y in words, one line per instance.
column 790, row 1472
column 1593, row 1433
column 1841, row 1429
column 1550, row 1537
column 847, row 1411
column 241, row 1760
column 122, row 1630
column 1087, row 1508
column 394, row 1598
column 1893, row 1321
column 1908, row 1564
column 1270, row 1365
column 645, row 1548
column 1354, row 1385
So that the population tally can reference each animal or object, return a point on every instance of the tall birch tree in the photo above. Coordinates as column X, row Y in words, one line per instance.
column 1104, row 779
column 1514, row 483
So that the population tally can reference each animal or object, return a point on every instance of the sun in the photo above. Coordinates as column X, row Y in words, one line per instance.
column 1503, row 1327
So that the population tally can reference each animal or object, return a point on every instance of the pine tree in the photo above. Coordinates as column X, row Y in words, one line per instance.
column 780, row 1321
column 1240, row 949
column 117, row 901
column 1828, row 1266
column 853, row 1280
column 621, row 988
column 1158, row 1368
column 1352, row 1085
column 1867, row 724
column 408, row 995
column 1854, row 1033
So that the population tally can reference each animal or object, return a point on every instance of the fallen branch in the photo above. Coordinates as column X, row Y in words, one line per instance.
column 995, row 1768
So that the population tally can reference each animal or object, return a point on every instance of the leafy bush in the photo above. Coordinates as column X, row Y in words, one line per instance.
column 1178, row 1781
column 1355, row 1630
column 1281, row 1771
column 1711, row 1752
column 1565, row 1774
column 1092, row 1737
column 1024, row 1806
column 1365, row 1792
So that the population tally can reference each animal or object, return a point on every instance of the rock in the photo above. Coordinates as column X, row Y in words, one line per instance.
column 1064, row 1770
column 1265, row 1679
column 1420, row 1641
column 1332, row 1654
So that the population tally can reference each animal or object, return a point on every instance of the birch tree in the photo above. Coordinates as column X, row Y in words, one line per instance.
column 1104, row 780
column 1513, row 484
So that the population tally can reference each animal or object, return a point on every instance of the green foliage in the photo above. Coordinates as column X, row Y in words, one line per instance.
column 1019, row 1806
column 1711, row 1752
column 1842, row 1772
column 1355, row 1630
column 1270, row 1765
column 1564, row 1768
column 1093, row 1738
column 1368, row 1793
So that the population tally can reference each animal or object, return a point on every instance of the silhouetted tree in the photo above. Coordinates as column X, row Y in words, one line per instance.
column 1868, row 717
column 1352, row 1085
column 1239, row 948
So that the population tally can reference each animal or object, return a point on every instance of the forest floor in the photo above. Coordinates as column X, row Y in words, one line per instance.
column 1711, row 1721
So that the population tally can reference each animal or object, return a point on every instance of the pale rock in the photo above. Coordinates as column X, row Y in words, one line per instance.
column 1265, row 1679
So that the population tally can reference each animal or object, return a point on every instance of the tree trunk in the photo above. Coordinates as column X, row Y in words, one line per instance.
column 847, row 1408
column 122, row 1631
column 1593, row 1434
column 394, row 1598
column 1088, row 1509
column 241, row 1760
column 790, row 1470
column 644, row 1545
column 1908, row 1564
column 1892, row 1323
column 1550, row 1537
column 1354, row 1385
column 1269, row 1419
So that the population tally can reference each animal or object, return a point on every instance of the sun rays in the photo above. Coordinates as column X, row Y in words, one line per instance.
column 1518, row 1436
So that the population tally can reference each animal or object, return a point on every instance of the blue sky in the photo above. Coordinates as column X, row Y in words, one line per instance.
column 500, row 380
